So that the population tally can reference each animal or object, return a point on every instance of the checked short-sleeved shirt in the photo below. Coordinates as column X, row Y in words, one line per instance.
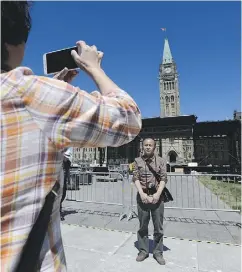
column 40, row 118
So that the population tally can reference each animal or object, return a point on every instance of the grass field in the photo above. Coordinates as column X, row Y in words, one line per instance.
column 229, row 192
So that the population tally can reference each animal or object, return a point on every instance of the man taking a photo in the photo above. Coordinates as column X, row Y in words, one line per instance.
column 40, row 118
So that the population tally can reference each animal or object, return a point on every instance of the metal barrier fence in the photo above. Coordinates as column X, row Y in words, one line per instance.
column 209, row 192
column 97, row 188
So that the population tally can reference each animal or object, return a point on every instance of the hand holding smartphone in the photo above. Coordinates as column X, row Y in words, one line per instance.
column 56, row 61
column 81, row 56
column 66, row 75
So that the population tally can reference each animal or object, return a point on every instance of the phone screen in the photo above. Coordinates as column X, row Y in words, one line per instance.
column 58, row 60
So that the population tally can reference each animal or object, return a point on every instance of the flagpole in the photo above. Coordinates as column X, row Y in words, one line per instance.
column 164, row 30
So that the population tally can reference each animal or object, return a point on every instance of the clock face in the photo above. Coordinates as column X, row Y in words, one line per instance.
column 167, row 70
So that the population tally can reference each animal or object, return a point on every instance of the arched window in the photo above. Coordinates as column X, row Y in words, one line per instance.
column 172, row 98
column 167, row 109
column 165, row 86
column 173, row 85
column 167, row 99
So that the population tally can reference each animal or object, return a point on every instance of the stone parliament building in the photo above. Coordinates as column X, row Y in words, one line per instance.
column 180, row 139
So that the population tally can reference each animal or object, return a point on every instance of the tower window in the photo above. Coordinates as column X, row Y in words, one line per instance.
column 172, row 98
column 172, row 105
column 165, row 86
column 167, row 100
column 173, row 85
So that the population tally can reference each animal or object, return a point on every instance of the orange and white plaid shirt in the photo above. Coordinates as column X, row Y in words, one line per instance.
column 40, row 118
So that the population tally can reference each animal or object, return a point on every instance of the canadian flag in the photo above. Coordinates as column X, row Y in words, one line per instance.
column 163, row 29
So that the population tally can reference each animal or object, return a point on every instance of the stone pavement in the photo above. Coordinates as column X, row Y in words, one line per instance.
column 216, row 226
column 96, row 250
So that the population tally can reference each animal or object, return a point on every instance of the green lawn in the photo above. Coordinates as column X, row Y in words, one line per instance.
column 229, row 192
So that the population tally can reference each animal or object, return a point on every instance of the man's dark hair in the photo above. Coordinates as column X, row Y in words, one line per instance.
column 16, row 24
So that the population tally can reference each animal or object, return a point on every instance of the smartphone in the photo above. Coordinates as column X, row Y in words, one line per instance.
column 56, row 61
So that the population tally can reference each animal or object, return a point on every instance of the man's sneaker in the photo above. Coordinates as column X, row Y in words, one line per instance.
column 141, row 257
column 159, row 258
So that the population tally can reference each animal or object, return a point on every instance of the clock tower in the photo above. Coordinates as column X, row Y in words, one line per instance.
column 169, row 85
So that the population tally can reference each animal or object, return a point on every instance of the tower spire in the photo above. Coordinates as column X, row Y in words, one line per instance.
column 169, row 84
column 167, row 57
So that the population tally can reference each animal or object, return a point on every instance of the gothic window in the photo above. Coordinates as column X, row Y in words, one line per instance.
column 173, row 85
column 167, row 99
column 170, row 85
column 172, row 98
column 165, row 86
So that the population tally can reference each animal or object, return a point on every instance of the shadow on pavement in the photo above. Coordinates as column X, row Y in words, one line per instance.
column 67, row 212
column 150, row 246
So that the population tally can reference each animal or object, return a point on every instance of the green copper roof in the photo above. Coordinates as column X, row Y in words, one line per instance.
column 167, row 57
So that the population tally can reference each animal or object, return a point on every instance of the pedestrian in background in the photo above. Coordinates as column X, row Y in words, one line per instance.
column 66, row 173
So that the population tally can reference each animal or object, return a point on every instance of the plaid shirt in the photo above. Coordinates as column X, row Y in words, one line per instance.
column 40, row 118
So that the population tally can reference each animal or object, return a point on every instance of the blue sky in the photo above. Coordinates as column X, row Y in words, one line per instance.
column 205, row 41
